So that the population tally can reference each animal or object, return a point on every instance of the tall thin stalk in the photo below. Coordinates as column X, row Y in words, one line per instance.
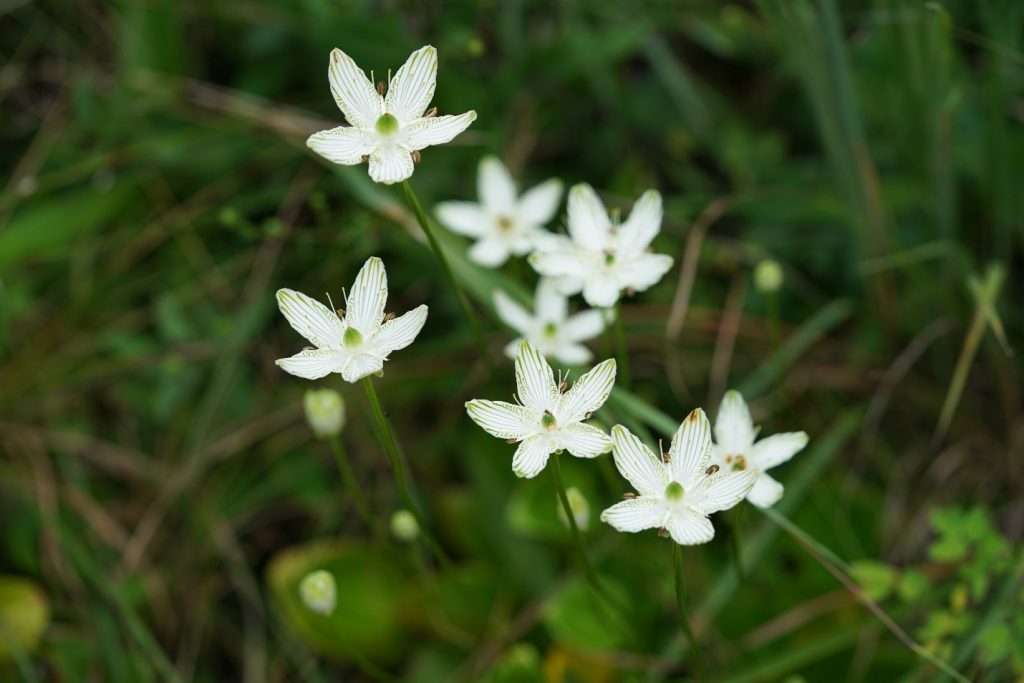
column 387, row 439
column 684, row 619
column 623, row 352
column 435, row 246
column 355, row 494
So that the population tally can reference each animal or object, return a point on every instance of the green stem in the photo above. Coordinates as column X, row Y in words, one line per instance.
column 588, row 569
column 623, row 353
column 352, row 488
column 684, row 620
column 435, row 246
column 387, row 439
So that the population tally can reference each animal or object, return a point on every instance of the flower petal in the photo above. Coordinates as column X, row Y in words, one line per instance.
column 551, row 305
column 691, row 448
column 464, row 218
column 539, row 204
column 399, row 332
column 777, row 449
column 342, row 145
column 637, row 463
column 310, row 318
column 734, row 428
column 490, row 252
column 437, row 130
column 531, row 456
column 355, row 95
column 723, row 490
column 766, row 491
column 587, row 394
column 636, row 514
column 390, row 165
column 361, row 365
column 495, row 188
column 642, row 271
column 644, row 222
column 600, row 291
column 583, row 440
column 511, row 313
column 688, row 528
column 571, row 354
column 584, row 326
column 556, row 256
column 364, row 308
column 534, row 379
column 412, row 86
column 313, row 363
column 588, row 221
column 501, row 419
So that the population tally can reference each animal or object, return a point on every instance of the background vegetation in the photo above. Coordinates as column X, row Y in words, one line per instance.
column 160, row 492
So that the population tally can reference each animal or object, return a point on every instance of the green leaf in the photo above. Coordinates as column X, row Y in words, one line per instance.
column 995, row 642
column 369, row 586
column 877, row 579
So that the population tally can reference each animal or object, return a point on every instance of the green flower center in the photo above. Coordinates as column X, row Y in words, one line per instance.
column 505, row 224
column 386, row 124
column 609, row 258
column 352, row 338
column 547, row 421
column 550, row 329
column 674, row 491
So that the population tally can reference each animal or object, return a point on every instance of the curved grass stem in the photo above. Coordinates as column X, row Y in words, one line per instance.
column 684, row 619
column 435, row 246
column 387, row 439
column 355, row 494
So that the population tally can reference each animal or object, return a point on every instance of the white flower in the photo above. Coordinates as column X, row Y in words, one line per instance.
column 676, row 491
column 547, row 420
column 325, row 412
column 735, row 448
column 319, row 591
column 599, row 258
column 551, row 329
column 387, row 131
column 502, row 223
column 358, row 344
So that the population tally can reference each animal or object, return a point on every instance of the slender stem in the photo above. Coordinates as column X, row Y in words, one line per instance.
column 577, row 537
column 623, row 352
column 435, row 246
column 677, row 561
column 773, row 319
column 352, row 488
column 387, row 439
column 736, row 543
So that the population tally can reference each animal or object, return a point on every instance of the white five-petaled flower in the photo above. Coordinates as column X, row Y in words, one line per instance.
column 548, row 419
column 676, row 493
column 388, row 131
column 357, row 344
column 551, row 329
column 735, row 448
column 599, row 258
column 502, row 223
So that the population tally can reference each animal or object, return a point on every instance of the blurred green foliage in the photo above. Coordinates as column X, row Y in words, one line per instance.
column 158, row 482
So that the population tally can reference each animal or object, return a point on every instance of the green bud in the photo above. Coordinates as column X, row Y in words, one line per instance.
column 579, row 506
column 404, row 526
column 768, row 276
column 325, row 412
column 319, row 592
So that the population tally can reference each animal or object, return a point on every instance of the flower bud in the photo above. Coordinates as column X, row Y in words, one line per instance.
column 404, row 525
column 319, row 592
column 768, row 276
column 325, row 412
column 579, row 506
